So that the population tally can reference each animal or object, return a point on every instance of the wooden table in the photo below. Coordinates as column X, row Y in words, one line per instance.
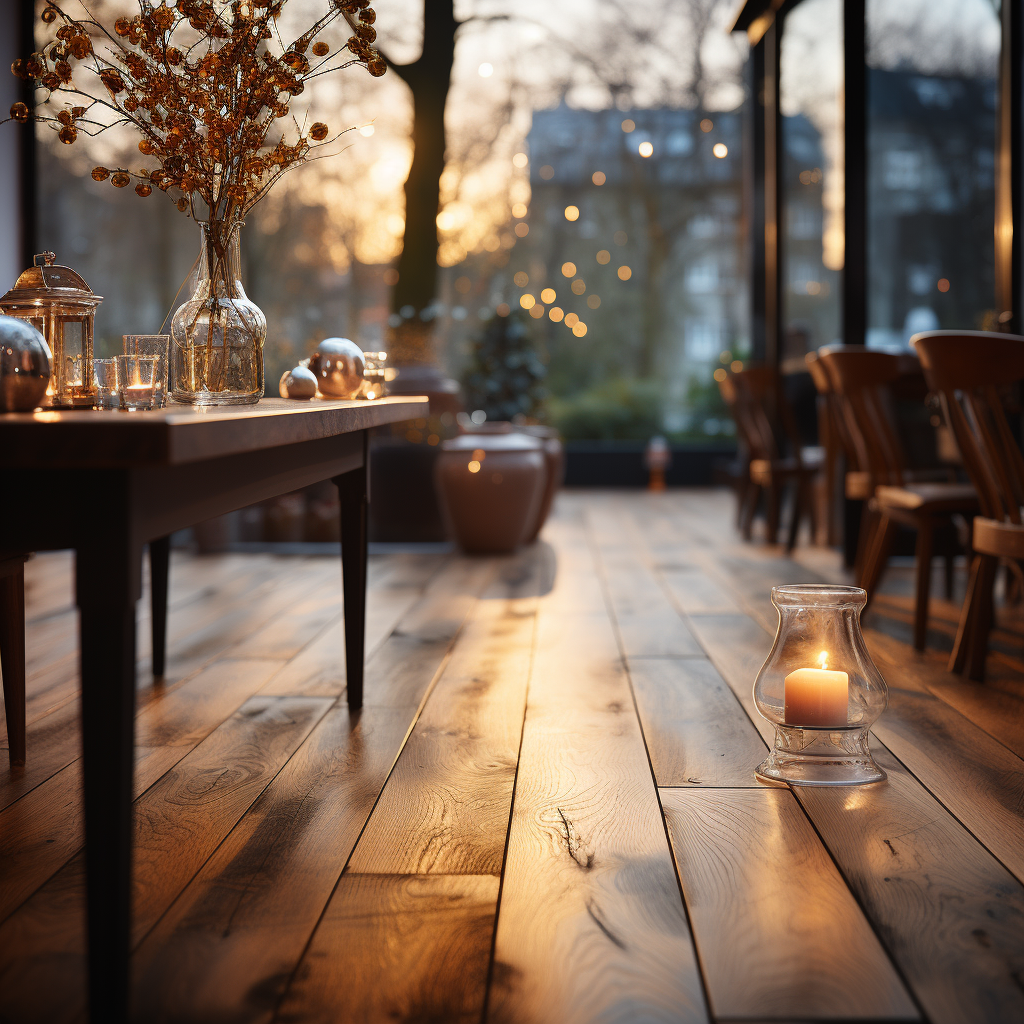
column 106, row 484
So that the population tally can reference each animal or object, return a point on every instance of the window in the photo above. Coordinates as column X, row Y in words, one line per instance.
column 931, row 145
column 812, row 176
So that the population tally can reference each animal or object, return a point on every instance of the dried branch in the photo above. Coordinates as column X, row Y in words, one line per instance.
column 205, row 108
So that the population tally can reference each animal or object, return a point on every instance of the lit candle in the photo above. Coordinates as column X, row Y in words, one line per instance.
column 817, row 696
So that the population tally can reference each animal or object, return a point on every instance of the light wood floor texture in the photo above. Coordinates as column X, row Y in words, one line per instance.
column 546, row 811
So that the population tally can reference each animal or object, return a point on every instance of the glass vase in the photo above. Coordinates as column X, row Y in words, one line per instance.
column 820, row 689
column 218, row 334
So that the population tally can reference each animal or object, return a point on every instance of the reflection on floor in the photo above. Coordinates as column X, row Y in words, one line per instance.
column 546, row 810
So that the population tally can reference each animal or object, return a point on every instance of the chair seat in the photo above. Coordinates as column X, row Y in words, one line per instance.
column 928, row 497
column 859, row 485
column 994, row 537
column 763, row 471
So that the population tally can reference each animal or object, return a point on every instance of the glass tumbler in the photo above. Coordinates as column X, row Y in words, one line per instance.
column 152, row 345
column 374, row 375
column 104, row 374
column 136, row 382
column 820, row 689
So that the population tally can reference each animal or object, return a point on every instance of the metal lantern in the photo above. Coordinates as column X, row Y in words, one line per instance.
column 62, row 307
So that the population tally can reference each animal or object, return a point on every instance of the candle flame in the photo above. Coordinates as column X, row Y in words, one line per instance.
column 823, row 660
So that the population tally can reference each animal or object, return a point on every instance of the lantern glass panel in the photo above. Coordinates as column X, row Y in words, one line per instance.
column 56, row 301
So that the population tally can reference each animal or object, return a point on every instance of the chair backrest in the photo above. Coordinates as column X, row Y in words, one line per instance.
column 862, row 380
column 967, row 369
column 769, row 421
column 727, row 389
column 832, row 421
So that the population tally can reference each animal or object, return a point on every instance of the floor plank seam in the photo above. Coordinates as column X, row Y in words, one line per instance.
column 508, row 828
column 920, row 781
column 872, row 924
column 405, row 739
column 136, row 943
column 842, row 874
column 610, row 610
column 825, row 846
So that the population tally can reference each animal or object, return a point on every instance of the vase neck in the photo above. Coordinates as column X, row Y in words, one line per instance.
column 220, row 262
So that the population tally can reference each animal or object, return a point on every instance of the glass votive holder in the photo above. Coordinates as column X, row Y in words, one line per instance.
column 820, row 689
column 152, row 345
column 374, row 375
column 136, row 382
column 104, row 378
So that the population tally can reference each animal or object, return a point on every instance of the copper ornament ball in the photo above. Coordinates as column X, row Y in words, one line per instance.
column 25, row 360
column 297, row 383
column 338, row 366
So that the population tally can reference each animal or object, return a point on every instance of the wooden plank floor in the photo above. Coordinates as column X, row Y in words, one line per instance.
column 546, row 811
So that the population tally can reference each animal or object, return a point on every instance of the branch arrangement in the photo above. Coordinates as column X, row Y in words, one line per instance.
column 204, row 82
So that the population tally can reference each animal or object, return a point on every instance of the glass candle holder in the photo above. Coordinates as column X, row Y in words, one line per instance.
column 152, row 345
column 104, row 374
column 820, row 689
column 136, row 381
column 374, row 375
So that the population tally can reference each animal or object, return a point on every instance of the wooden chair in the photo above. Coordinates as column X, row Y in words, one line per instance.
column 741, row 474
column 967, row 369
column 858, row 485
column 834, row 439
column 862, row 378
column 765, row 421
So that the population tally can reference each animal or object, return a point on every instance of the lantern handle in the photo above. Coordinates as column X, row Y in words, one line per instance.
column 48, row 259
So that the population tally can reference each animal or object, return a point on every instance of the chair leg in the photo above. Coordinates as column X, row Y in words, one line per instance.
column 743, row 486
column 983, row 620
column 831, row 504
column 813, row 508
column 967, row 616
column 12, row 660
column 868, row 523
column 878, row 555
column 925, row 549
column 774, row 512
column 1011, row 586
column 799, row 500
column 948, row 574
column 854, row 514
column 753, row 495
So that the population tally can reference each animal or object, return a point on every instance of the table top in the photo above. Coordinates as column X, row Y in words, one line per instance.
column 89, row 438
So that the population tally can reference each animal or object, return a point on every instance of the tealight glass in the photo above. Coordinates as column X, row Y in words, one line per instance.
column 374, row 375
column 137, row 382
column 152, row 345
column 104, row 378
column 820, row 689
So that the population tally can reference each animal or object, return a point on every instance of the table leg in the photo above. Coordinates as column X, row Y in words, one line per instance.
column 12, row 655
column 352, row 491
column 109, row 581
column 159, row 571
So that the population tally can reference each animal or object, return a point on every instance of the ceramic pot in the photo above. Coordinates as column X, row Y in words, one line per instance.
column 554, row 457
column 491, row 488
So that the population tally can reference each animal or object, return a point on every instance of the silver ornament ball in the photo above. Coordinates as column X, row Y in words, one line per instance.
column 25, row 361
column 339, row 366
column 297, row 383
